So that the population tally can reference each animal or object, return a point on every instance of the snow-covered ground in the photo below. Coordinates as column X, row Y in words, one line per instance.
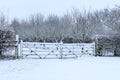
column 84, row 68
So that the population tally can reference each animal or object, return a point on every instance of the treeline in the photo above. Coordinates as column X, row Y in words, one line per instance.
column 73, row 26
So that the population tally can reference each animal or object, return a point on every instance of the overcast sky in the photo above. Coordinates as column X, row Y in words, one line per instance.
column 23, row 8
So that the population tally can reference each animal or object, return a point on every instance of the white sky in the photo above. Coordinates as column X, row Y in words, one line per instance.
column 23, row 8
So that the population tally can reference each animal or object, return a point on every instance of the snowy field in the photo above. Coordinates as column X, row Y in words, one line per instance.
column 84, row 68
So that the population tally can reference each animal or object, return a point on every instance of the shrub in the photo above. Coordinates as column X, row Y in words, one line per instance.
column 5, row 36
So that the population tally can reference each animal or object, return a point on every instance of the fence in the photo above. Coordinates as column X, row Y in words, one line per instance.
column 48, row 50
column 55, row 50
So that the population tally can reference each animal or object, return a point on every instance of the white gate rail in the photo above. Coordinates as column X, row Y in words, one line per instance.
column 55, row 50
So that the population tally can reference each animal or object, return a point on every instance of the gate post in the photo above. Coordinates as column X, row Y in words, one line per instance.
column 16, row 46
column 96, row 46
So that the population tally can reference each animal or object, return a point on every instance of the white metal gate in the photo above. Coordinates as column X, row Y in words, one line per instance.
column 55, row 50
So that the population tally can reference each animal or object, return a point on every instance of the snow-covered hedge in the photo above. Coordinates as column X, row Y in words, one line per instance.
column 5, row 36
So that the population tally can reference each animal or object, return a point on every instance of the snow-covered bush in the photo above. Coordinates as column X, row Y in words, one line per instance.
column 110, row 44
column 4, row 37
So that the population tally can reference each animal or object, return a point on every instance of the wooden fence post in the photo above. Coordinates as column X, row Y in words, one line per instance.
column 16, row 46
column 96, row 46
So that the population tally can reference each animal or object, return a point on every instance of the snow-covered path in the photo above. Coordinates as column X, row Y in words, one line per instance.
column 84, row 68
